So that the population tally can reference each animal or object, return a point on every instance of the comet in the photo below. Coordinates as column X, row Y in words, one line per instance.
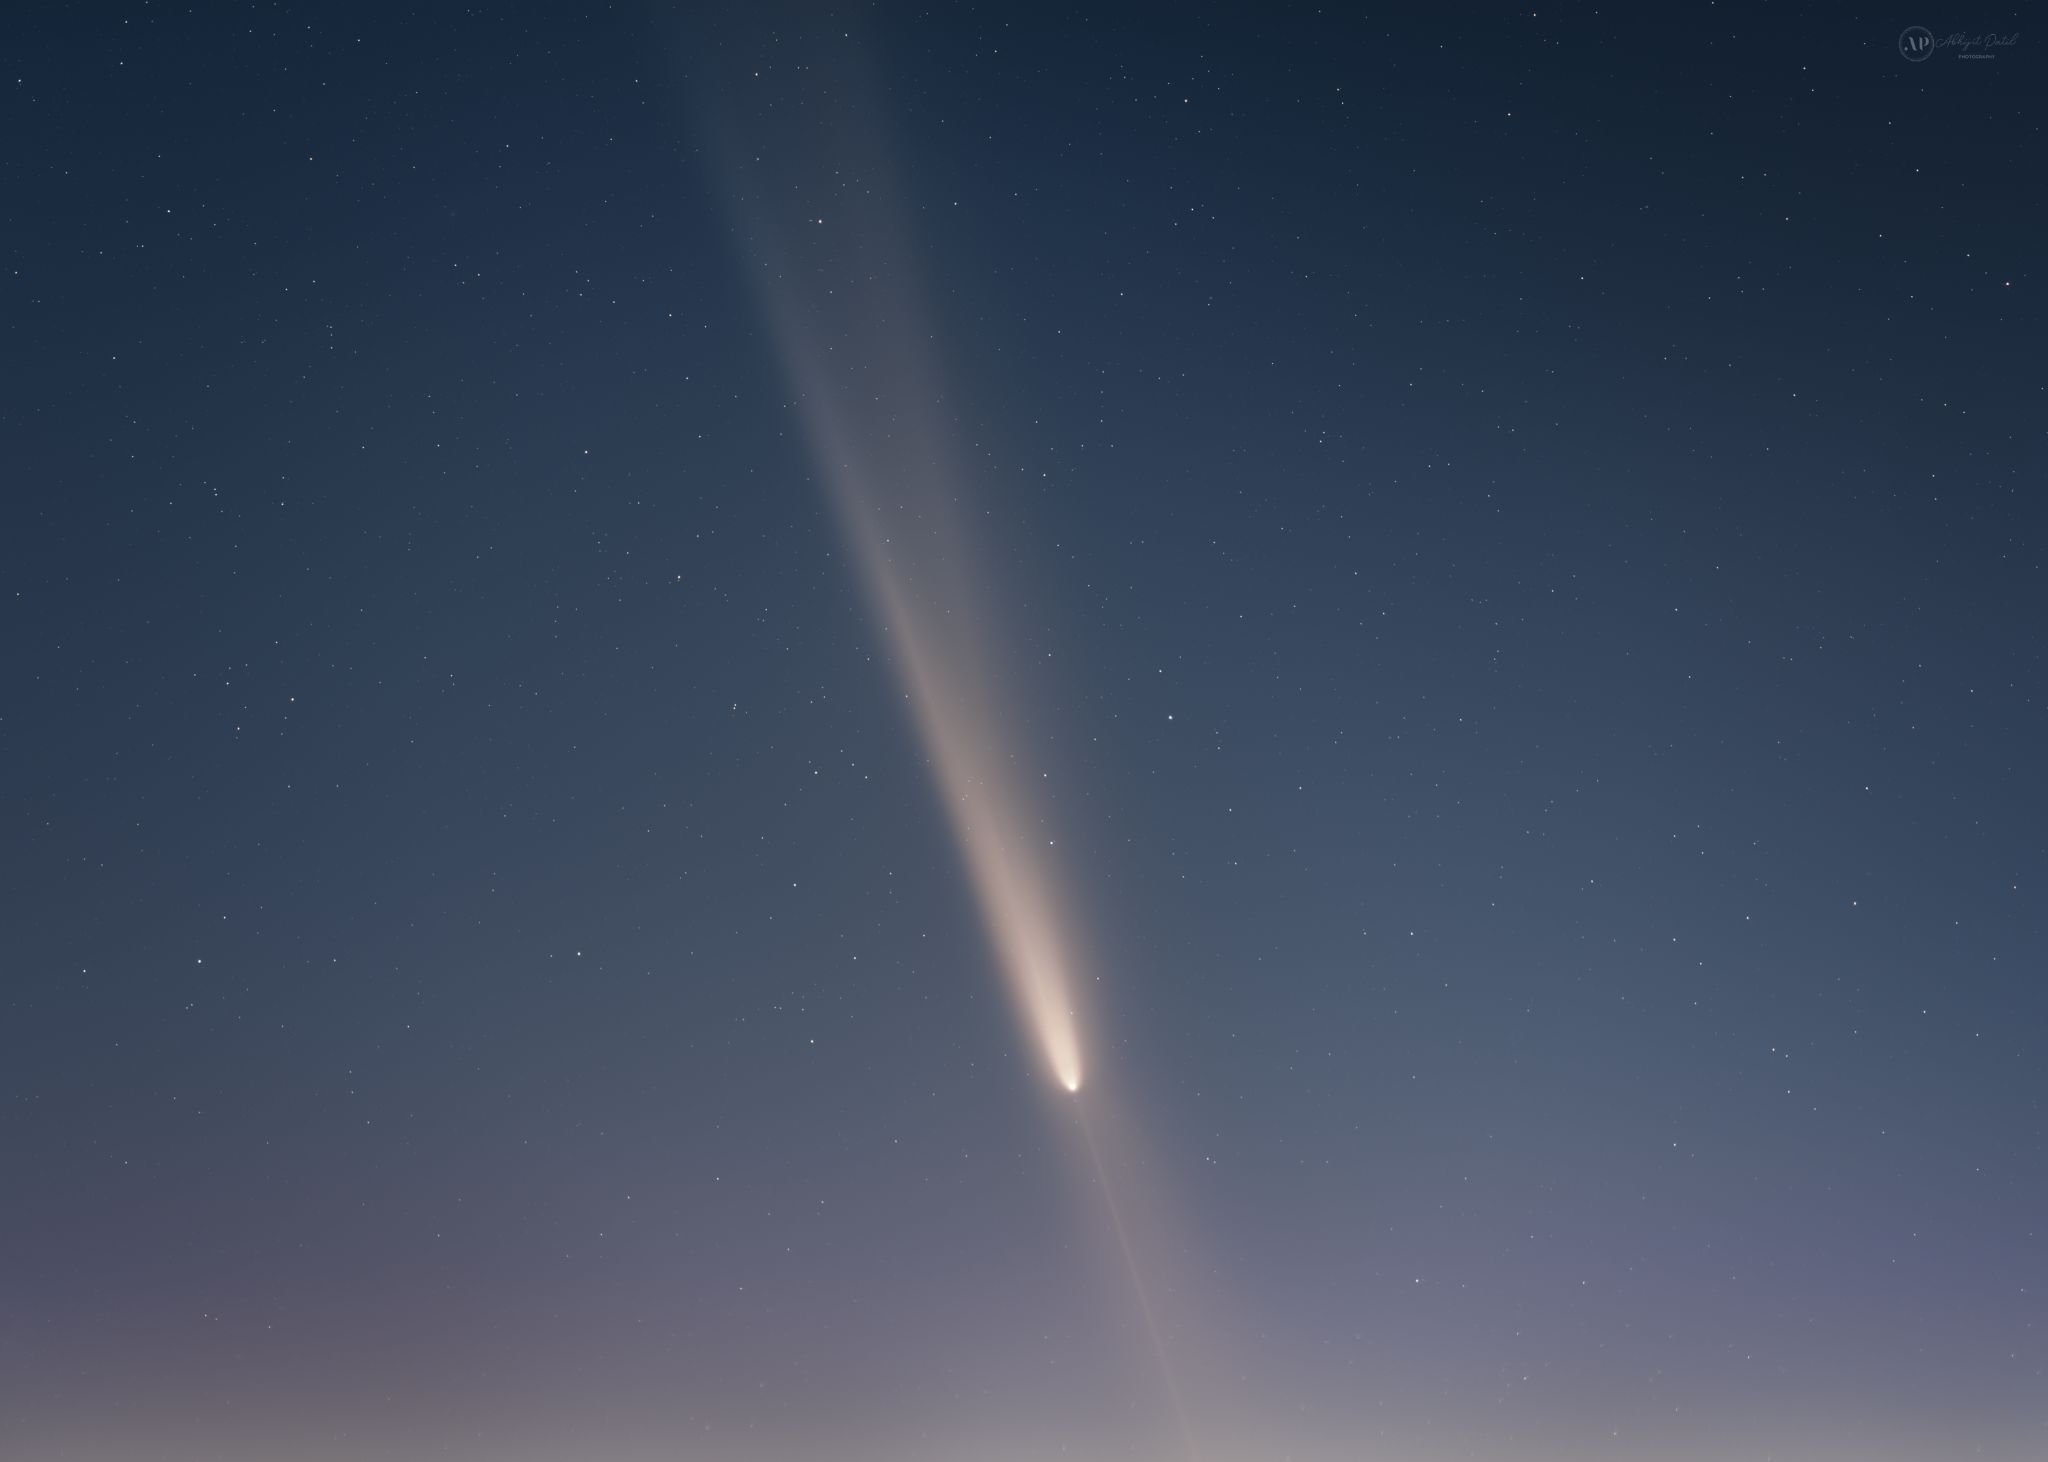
column 833, row 266
column 850, row 330
column 917, row 565
column 962, row 729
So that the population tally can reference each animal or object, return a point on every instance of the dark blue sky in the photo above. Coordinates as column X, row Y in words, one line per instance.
column 1519, row 542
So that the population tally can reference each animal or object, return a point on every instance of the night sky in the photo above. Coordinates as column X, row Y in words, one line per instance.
column 1479, row 574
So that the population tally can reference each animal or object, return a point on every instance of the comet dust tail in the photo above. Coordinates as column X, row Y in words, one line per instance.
column 851, row 331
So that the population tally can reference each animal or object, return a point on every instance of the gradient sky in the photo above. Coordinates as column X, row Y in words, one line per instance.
column 1510, row 548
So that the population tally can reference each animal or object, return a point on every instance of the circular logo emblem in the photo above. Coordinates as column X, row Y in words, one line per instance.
column 1916, row 43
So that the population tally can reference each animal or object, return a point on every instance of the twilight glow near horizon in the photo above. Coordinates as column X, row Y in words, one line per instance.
column 802, row 731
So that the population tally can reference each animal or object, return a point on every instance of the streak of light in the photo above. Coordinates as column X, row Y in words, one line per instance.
column 1168, row 1380
column 848, row 322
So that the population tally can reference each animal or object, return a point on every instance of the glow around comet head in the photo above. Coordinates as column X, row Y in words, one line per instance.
column 851, row 331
